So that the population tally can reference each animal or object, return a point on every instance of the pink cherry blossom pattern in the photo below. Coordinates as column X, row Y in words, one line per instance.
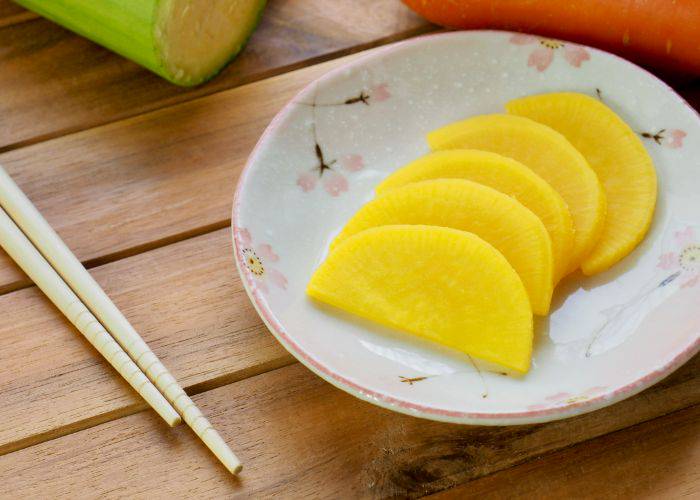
column 675, row 137
column 667, row 261
column 689, row 263
column 327, row 173
column 335, row 183
column 671, row 138
column 523, row 39
column 380, row 92
column 685, row 261
column 258, row 260
column 542, row 56
column 352, row 163
column 576, row 55
column 306, row 181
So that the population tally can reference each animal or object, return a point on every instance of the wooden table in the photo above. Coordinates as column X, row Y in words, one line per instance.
column 137, row 176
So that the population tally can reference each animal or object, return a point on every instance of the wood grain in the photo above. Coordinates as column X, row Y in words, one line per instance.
column 656, row 459
column 187, row 302
column 125, row 187
column 298, row 436
column 11, row 13
column 54, row 82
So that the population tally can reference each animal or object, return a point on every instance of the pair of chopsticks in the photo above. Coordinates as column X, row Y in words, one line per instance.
column 44, row 257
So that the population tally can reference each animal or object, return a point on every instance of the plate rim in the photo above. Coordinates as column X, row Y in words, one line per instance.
column 259, row 302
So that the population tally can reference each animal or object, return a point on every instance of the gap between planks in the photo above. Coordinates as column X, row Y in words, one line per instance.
column 141, row 406
column 11, row 13
column 19, row 18
column 128, row 252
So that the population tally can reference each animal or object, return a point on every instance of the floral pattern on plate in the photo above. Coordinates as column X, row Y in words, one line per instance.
column 672, row 138
column 258, row 260
column 542, row 55
column 325, row 172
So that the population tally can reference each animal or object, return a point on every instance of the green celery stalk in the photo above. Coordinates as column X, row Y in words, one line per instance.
column 184, row 41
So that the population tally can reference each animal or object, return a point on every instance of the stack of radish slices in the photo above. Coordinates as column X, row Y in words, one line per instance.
column 463, row 245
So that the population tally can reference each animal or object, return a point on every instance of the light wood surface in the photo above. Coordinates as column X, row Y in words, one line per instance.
column 28, row 257
column 55, row 82
column 187, row 302
column 33, row 244
column 137, row 177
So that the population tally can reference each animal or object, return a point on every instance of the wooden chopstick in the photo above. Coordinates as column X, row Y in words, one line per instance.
column 16, row 244
column 71, row 270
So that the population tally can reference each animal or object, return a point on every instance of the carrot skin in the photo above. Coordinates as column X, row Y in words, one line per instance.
column 660, row 33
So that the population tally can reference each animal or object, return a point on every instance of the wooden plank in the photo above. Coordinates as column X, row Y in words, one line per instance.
column 187, row 302
column 54, row 82
column 656, row 459
column 11, row 13
column 152, row 179
column 298, row 436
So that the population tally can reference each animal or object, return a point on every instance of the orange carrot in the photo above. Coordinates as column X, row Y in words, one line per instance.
column 662, row 33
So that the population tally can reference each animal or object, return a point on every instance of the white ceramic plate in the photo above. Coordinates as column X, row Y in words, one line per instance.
column 608, row 337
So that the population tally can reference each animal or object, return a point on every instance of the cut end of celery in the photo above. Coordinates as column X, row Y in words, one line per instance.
column 196, row 38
